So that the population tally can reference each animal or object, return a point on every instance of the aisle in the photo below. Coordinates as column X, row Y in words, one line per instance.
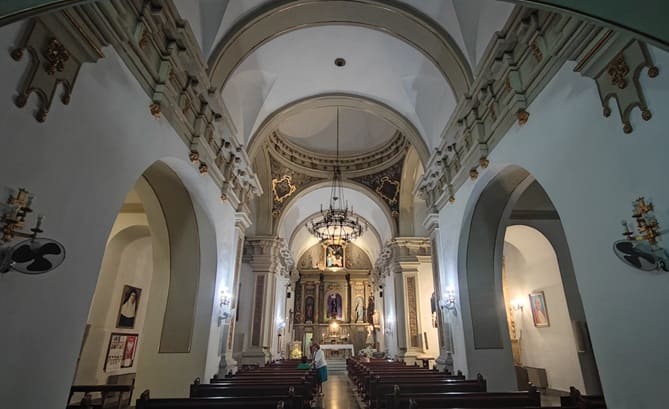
column 337, row 393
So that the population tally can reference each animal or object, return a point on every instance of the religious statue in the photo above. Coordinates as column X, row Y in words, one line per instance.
column 309, row 309
column 359, row 313
column 370, row 310
column 334, row 306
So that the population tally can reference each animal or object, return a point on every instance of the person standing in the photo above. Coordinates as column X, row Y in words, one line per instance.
column 320, row 365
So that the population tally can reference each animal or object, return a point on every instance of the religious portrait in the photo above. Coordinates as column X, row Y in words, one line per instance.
column 359, row 309
column 539, row 310
column 128, row 309
column 309, row 309
column 334, row 256
column 334, row 306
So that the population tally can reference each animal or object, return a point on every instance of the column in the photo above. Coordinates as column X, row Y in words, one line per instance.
column 405, row 255
column 262, row 254
column 348, row 295
column 228, row 312
column 444, row 361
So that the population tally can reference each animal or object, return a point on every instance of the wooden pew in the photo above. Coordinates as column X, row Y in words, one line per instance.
column 246, row 402
column 107, row 392
column 400, row 400
column 261, row 387
column 575, row 399
column 382, row 387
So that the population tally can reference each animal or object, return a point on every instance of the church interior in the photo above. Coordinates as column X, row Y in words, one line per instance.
column 198, row 191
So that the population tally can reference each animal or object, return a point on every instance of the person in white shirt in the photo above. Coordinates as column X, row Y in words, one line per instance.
column 320, row 365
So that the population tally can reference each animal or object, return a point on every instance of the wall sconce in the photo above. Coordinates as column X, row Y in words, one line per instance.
column 36, row 255
column 517, row 305
column 448, row 301
column 639, row 249
column 224, row 302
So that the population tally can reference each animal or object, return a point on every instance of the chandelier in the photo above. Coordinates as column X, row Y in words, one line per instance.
column 337, row 224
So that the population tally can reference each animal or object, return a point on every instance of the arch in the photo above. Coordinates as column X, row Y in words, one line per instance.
column 404, row 22
column 488, row 213
column 411, row 171
column 358, row 102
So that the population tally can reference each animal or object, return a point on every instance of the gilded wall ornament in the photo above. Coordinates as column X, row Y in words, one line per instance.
column 155, row 110
column 523, row 116
column 536, row 51
column 388, row 189
column 56, row 56
column 283, row 188
column 618, row 70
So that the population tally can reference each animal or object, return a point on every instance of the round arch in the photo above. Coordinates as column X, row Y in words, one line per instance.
column 402, row 21
column 362, row 103
column 488, row 213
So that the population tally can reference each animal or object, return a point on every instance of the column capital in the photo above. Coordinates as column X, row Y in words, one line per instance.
column 242, row 221
column 404, row 253
column 431, row 223
column 268, row 253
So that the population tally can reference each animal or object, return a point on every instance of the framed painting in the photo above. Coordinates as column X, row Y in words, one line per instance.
column 128, row 310
column 539, row 310
column 334, row 256
column 121, row 351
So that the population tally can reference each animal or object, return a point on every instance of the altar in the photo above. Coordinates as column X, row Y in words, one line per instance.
column 332, row 350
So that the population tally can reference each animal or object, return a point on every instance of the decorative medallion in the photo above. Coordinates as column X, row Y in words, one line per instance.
column 618, row 70
column 283, row 188
column 388, row 189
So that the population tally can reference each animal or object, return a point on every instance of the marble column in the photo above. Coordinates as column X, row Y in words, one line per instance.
column 403, row 257
column 444, row 361
column 228, row 312
column 262, row 254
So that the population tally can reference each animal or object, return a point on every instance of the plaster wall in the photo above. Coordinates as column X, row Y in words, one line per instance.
column 80, row 192
column 582, row 159
column 532, row 265
column 390, row 317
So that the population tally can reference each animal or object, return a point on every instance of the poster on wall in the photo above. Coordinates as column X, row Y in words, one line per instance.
column 539, row 310
column 121, row 351
column 128, row 309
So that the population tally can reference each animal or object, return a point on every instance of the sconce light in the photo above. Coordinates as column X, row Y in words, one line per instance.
column 517, row 305
column 224, row 302
column 640, row 249
column 36, row 255
column 448, row 301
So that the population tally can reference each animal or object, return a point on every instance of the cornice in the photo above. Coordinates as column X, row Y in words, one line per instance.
column 522, row 59
column 161, row 51
column 322, row 165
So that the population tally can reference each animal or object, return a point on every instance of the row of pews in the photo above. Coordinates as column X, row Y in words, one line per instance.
column 384, row 384
column 279, row 385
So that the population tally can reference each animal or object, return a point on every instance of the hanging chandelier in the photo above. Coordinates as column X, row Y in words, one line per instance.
column 337, row 224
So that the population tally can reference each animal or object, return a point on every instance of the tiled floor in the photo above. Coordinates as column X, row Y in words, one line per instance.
column 337, row 393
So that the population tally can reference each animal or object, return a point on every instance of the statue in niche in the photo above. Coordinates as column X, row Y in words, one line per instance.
column 433, row 308
column 359, row 310
column 309, row 309
column 334, row 307
column 370, row 310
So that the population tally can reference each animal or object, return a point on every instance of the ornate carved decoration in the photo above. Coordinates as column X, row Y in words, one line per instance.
column 285, row 183
column 194, row 157
column 203, row 168
column 386, row 184
column 310, row 162
column 618, row 70
column 283, row 188
column 52, row 63
column 536, row 51
column 523, row 116
column 155, row 110
column 414, row 338
column 615, row 63
column 473, row 174
column 509, row 79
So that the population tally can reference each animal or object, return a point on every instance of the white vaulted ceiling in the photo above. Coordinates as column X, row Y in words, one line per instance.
column 316, row 130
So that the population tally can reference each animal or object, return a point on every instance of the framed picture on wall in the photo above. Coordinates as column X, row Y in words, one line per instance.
column 121, row 351
column 539, row 310
column 128, row 308
column 334, row 256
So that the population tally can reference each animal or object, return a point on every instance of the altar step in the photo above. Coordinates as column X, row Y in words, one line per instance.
column 336, row 365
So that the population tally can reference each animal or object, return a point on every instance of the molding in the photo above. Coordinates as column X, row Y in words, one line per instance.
column 263, row 133
column 615, row 62
column 389, row 16
column 161, row 51
column 57, row 46
column 403, row 254
column 518, row 64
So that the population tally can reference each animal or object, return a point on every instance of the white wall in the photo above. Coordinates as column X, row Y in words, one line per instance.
column 425, row 290
column 592, row 172
column 389, row 317
column 80, row 164
column 532, row 265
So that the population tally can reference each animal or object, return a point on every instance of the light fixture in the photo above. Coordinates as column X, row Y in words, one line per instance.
column 337, row 224
column 448, row 301
column 35, row 255
column 517, row 305
column 223, row 303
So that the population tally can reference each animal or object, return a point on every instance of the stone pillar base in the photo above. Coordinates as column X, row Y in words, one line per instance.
column 409, row 357
column 227, row 365
column 254, row 357
column 444, row 362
